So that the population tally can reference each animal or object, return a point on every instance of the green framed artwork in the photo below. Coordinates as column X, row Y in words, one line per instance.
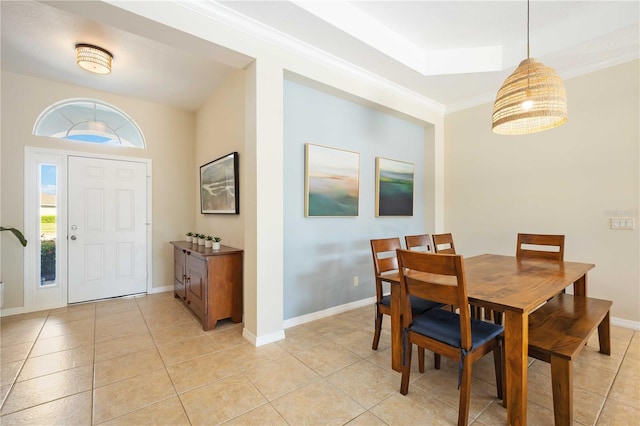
column 394, row 187
column 331, row 181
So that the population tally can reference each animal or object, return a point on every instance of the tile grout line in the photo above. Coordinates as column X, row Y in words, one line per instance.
column 24, row 361
column 606, row 398
column 155, row 345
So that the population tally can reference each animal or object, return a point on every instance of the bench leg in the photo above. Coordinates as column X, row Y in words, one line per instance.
column 604, row 336
column 562, row 384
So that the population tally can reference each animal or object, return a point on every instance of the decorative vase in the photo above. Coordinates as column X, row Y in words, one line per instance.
column 215, row 245
column 200, row 241
column 207, row 243
column 189, row 237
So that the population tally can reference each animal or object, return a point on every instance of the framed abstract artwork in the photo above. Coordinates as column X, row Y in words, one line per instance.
column 394, row 188
column 219, row 186
column 331, row 182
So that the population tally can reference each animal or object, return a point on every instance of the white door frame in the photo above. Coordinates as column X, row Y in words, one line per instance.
column 36, row 298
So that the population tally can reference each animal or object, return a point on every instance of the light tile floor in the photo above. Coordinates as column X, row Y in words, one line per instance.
column 146, row 360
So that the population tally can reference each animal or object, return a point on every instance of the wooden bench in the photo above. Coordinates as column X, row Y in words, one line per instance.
column 557, row 333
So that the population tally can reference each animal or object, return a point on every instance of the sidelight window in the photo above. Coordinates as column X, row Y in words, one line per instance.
column 48, row 230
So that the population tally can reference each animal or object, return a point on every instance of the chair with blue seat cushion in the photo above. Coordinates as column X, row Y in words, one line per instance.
column 384, row 262
column 441, row 278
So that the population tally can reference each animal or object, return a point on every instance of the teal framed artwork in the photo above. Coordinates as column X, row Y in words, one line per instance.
column 332, row 182
column 394, row 188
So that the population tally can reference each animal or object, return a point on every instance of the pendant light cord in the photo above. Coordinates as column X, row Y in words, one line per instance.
column 527, row 29
column 528, row 55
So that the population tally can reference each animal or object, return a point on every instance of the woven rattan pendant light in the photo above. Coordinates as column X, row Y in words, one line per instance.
column 531, row 100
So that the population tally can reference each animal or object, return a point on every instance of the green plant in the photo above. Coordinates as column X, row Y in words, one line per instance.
column 209, row 238
column 189, row 234
column 17, row 233
column 217, row 239
column 48, row 258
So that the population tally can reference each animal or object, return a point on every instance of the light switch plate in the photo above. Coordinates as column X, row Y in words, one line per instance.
column 622, row 223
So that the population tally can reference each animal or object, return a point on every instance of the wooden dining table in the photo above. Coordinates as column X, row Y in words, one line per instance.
column 515, row 287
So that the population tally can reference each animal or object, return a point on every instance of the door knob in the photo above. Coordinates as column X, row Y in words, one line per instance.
column 73, row 237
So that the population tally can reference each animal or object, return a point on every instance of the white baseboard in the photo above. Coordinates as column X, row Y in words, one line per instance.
column 303, row 319
column 155, row 290
column 12, row 311
column 292, row 322
column 262, row 340
column 620, row 322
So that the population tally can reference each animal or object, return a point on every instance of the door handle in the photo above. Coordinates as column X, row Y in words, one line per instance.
column 73, row 237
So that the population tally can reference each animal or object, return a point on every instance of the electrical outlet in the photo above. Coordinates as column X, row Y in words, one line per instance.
column 356, row 282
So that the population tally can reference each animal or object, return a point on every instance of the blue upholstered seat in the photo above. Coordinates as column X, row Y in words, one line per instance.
column 444, row 326
column 418, row 305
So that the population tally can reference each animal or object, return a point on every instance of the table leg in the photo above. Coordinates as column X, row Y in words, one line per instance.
column 580, row 286
column 396, row 329
column 516, row 350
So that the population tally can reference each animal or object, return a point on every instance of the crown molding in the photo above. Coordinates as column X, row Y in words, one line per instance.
column 260, row 31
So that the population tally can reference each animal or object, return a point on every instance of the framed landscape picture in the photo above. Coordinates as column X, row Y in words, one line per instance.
column 394, row 188
column 331, row 181
column 219, row 187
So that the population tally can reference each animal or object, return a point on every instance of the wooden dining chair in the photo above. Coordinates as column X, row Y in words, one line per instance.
column 384, row 262
column 540, row 246
column 443, row 244
column 420, row 242
column 536, row 246
column 456, row 336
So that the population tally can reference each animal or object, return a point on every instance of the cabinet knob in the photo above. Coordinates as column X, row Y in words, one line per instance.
column 184, row 251
column 188, row 302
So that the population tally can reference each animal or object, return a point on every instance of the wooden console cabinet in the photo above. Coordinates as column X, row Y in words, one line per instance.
column 209, row 281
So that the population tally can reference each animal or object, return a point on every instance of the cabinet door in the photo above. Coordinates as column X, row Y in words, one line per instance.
column 197, row 285
column 179, row 273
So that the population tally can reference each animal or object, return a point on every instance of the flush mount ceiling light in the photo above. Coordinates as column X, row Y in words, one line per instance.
column 93, row 58
column 531, row 100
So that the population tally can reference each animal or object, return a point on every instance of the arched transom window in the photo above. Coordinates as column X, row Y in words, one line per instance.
column 89, row 120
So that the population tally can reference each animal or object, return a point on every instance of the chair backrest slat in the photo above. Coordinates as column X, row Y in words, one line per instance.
column 443, row 244
column 421, row 242
column 553, row 246
column 384, row 254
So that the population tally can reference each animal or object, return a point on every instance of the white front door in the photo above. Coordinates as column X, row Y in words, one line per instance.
column 107, row 228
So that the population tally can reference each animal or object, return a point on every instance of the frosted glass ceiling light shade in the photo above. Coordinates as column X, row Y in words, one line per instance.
column 531, row 99
column 93, row 58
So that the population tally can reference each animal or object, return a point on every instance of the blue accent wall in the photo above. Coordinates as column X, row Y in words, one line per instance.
column 323, row 255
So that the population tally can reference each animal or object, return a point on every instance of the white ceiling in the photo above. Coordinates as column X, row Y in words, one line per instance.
column 456, row 53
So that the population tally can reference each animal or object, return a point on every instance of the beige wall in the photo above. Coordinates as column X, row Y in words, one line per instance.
column 170, row 136
column 220, row 131
column 567, row 180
